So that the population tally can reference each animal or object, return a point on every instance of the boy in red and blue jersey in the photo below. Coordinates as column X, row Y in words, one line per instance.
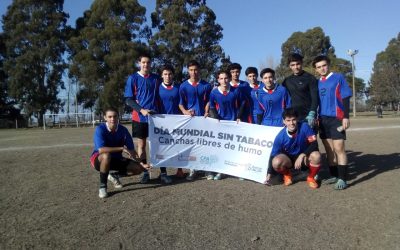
column 272, row 100
column 295, row 146
column 194, row 96
column 140, row 95
column 240, row 86
column 334, row 95
column 111, row 140
column 250, row 91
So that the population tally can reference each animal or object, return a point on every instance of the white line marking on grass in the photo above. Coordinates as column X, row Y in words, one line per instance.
column 372, row 128
column 46, row 147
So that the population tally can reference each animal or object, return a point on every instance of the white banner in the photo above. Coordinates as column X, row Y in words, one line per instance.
column 238, row 149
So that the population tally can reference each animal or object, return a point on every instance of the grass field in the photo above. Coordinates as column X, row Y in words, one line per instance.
column 49, row 200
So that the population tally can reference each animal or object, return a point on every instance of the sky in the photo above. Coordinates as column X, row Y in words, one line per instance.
column 254, row 30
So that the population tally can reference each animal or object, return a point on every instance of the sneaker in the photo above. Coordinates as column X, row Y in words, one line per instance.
column 179, row 173
column 218, row 177
column 287, row 179
column 165, row 178
column 145, row 178
column 241, row 179
column 312, row 183
column 114, row 179
column 210, row 176
column 330, row 180
column 340, row 184
column 191, row 175
column 103, row 193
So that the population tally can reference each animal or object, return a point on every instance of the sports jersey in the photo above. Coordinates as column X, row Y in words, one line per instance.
column 226, row 103
column 252, row 102
column 271, row 104
column 303, row 91
column 103, row 137
column 332, row 90
column 293, row 145
column 241, row 89
column 142, row 89
column 195, row 96
column 168, row 99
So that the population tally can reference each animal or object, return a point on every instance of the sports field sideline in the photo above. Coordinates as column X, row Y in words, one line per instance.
column 49, row 200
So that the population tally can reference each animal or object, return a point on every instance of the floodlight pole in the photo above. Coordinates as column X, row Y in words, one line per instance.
column 352, row 53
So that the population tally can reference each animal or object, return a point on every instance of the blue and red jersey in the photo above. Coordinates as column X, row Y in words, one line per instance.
column 168, row 99
column 195, row 96
column 241, row 89
column 104, row 137
column 251, row 102
column 227, row 103
column 332, row 90
column 142, row 89
column 295, row 144
column 271, row 104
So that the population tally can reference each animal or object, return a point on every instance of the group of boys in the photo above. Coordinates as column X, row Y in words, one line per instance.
column 293, row 104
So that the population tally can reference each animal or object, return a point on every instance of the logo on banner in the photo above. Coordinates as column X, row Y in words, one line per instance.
column 208, row 160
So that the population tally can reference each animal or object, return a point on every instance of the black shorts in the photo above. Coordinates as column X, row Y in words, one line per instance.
column 304, row 166
column 116, row 164
column 140, row 130
column 328, row 128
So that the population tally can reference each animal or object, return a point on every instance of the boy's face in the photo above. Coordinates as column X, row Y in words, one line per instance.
column 194, row 73
column 322, row 68
column 145, row 65
column 111, row 117
column 252, row 78
column 296, row 67
column 223, row 80
column 167, row 77
column 235, row 73
column 268, row 80
column 290, row 123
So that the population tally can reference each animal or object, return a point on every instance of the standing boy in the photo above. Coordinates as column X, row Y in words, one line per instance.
column 334, row 95
column 250, row 91
column 239, row 86
column 140, row 95
column 194, row 95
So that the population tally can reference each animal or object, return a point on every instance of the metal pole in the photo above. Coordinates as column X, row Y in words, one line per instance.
column 354, row 86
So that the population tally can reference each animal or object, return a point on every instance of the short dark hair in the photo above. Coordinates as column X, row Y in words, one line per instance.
column 294, row 57
column 112, row 109
column 321, row 58
column 193, row 63
column 251, row 70
column 168, row 68
column 222, row 71
column 289, row 112
column 144, row 54
column 267, row 70
column 233, row 66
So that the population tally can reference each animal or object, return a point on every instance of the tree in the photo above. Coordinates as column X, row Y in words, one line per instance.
column 35, row 43
column 186, row 30
column 385, row 79
column 104, row 48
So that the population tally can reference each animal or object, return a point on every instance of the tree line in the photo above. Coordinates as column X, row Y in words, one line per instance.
column 38, row 51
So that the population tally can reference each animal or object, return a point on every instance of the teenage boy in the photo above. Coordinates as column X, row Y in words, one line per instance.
column 111, row 140
column 168, row 100
column 250, row 91
column 140, row 95
column 303, row 90
column 194, row 95
column 239, row 85
column 273, row 99
column 334, row 96
column 224, row 105
column 295, row 146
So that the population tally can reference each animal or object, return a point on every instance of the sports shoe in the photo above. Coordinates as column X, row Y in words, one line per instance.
column 330, row 180
column 191, row 175
column 312, row 183
column 210, row 176
column 241, row 179
column 165, row 178
column 114, row 179
column 287, row 179
column 145, row 178
column 103, row 193
column 218, row 177
column 340, row 185
column 179, row 173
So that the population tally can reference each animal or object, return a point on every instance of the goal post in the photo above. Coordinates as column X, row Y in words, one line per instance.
column 68, row 120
